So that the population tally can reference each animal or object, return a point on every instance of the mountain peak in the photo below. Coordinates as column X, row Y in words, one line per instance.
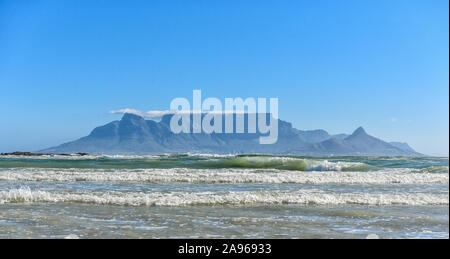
column 359, row 131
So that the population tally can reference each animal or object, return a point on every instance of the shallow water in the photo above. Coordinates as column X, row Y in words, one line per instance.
column 201, row 196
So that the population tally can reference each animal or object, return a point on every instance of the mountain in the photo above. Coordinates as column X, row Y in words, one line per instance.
column 359, row 143
column 135, row 135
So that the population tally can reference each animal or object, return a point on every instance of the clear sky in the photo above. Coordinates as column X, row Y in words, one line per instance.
column 335, row 65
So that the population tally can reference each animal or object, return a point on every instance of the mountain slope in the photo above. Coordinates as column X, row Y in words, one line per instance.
column 403, row 146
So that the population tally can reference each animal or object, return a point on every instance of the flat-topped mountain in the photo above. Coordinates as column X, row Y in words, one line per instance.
column 135, row 135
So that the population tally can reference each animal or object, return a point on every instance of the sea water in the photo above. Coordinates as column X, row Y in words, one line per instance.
column 223, row 196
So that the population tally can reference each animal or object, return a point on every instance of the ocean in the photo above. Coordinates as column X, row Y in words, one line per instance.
column 223, row 196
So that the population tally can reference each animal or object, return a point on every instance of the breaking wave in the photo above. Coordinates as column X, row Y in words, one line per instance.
column 433, row 175
column 309, row 197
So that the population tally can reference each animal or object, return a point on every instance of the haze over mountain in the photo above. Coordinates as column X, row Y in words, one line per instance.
column 135, row 135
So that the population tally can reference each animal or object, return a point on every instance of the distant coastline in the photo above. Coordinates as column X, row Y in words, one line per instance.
column 21, row 153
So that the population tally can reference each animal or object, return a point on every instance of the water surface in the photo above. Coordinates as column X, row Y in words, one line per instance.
column 223, row 196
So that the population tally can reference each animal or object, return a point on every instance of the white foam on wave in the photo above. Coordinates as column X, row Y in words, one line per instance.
column 187, row 175
column 325, row 165
column 306, row 197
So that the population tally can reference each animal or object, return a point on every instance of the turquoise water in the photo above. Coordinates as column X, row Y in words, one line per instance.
column 223, row 196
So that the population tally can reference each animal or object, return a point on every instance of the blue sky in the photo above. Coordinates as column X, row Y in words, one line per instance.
column 335, row 65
